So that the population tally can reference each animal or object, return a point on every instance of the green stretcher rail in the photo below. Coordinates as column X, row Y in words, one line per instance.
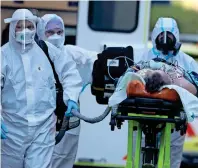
column 154, row 118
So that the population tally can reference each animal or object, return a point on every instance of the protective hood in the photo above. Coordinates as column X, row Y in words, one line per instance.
column 41, row 27
column 165, row 24
column 20, row 14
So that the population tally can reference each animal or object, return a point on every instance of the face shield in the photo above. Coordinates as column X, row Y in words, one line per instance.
column 167, row 44
column 25, row 31
column 22, row 28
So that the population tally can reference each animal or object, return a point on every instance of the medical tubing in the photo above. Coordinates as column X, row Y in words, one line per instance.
column 92, row 120
column 65, row 123
column 63, row 129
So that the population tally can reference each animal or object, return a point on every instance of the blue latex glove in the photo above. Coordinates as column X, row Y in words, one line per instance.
column 3, row 130
column 71, row 105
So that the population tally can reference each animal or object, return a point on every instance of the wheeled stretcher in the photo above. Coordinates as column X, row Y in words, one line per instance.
column 150, row 114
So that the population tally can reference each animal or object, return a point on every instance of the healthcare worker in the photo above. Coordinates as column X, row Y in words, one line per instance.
column 166, row 45
column 51, row 28
column 28, row 95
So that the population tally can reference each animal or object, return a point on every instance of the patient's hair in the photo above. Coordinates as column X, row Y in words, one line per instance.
column 155, row 80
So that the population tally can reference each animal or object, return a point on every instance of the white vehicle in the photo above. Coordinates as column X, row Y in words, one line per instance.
column 104, row 23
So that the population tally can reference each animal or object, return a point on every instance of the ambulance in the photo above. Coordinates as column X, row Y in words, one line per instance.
column 98, row 145
column 90, row 25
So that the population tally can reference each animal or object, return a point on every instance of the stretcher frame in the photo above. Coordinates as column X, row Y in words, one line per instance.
column 134, row 124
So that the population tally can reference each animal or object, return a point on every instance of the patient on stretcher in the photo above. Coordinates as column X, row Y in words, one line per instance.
column 159, row 83
column 155, row 79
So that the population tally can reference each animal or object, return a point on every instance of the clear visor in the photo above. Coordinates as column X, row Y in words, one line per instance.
column 24, row 24
column 166, row 37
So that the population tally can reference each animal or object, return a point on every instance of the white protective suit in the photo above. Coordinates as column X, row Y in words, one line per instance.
column 65, row 152
column 29, row 98
column 184, row 61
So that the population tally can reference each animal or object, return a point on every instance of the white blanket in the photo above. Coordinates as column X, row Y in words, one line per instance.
column 120, row 93
column 189, row 101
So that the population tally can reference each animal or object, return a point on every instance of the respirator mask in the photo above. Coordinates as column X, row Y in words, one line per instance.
column 25, row 36
column 167, row 43
column 56, row 40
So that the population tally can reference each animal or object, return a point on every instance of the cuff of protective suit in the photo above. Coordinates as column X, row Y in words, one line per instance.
column 71, row 97
column 65, row 99
column 74, row 100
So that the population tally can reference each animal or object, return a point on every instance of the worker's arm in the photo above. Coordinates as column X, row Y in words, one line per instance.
column 67, row 73
column 81, row 56
column 84, row 60
column 182, row 82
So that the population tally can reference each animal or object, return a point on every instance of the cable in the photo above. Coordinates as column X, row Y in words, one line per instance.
column 113, row 61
